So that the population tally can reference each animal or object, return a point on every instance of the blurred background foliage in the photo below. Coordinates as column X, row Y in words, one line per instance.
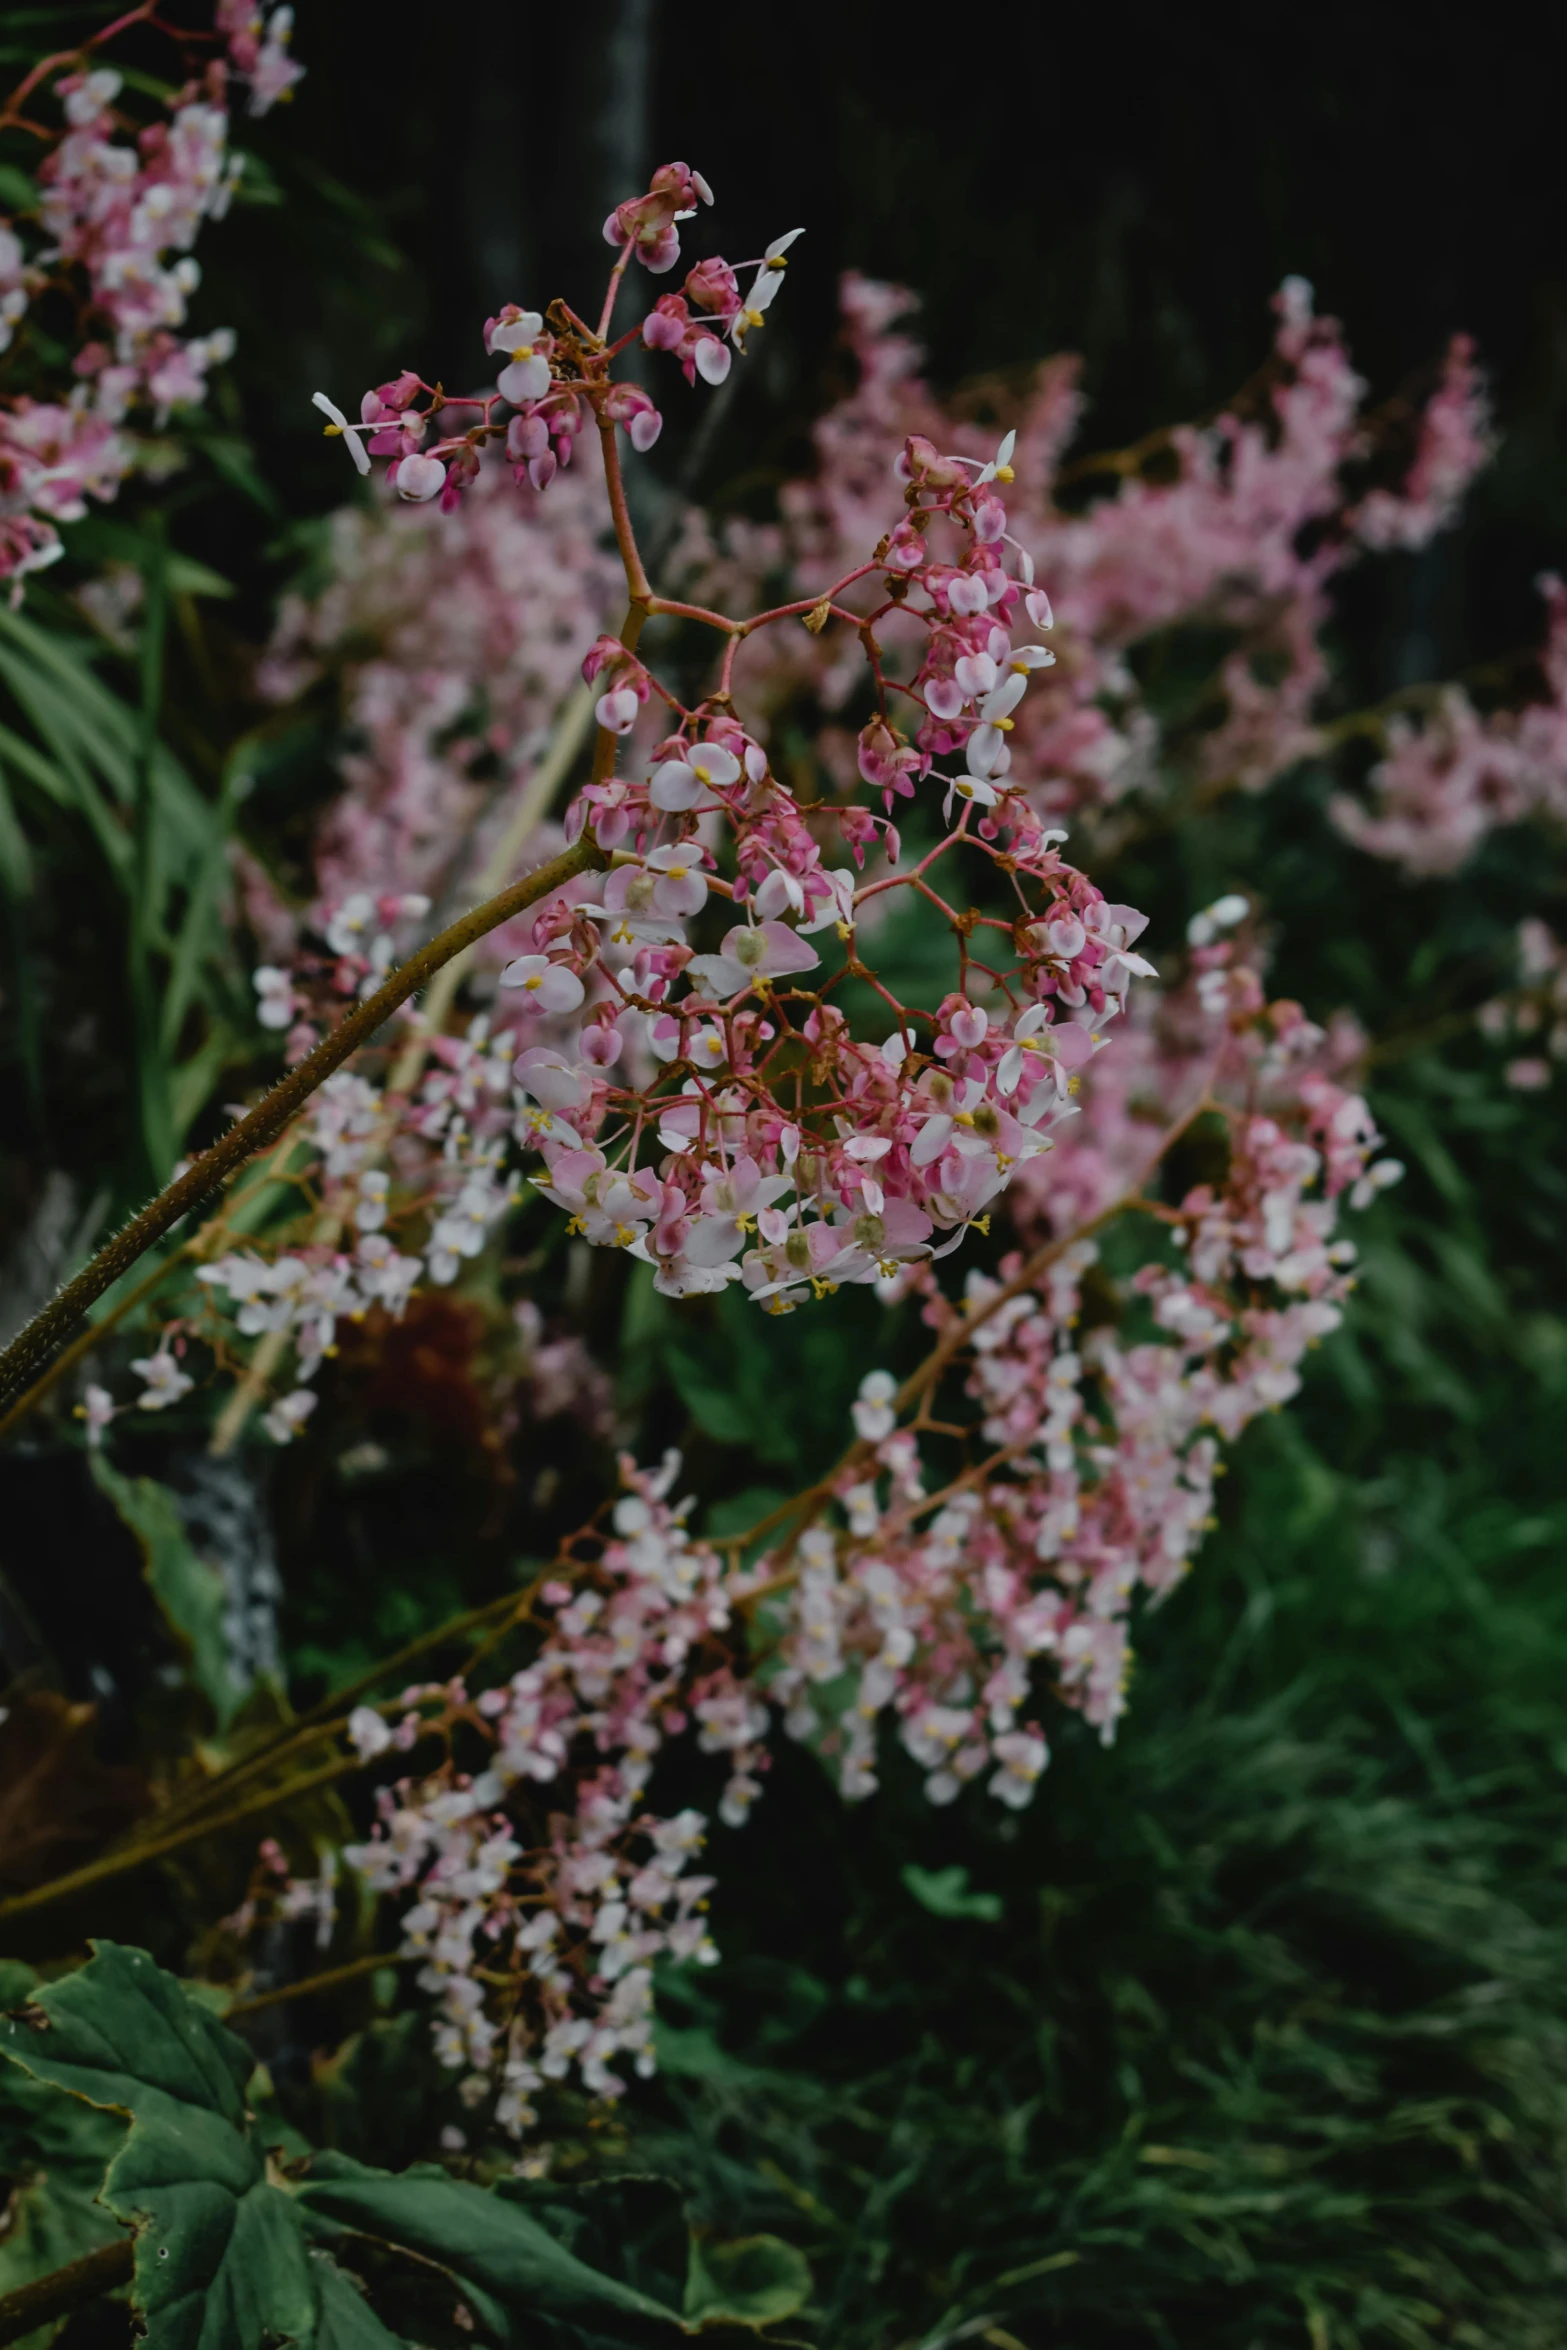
column 1254, row 2030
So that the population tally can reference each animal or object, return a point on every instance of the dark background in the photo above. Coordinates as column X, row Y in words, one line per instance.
column 1129, row 184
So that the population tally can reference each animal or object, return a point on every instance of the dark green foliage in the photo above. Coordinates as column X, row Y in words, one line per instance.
column 222, row 2228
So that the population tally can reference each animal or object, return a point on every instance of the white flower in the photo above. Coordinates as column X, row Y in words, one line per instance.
column 976, row 673
column 1381, row 1177
column 1022, row 1757
column 1003, row 700
column 345, row 933
column 779, row 893
column 1223, row 914
column 985, row 754
column 1026, row 1038
column 548, row 987
column 767, row 952
column 681, row 887
column 97, row 1408
column 676, row 784
column 527, row 377
column 764, row 286
column 368, row 1733
column 165, row 1381
column 289, row 1414
column 551, row 1079
column 1000, row 466
column 338, row 424
column 874, row 1415
column 274, row 996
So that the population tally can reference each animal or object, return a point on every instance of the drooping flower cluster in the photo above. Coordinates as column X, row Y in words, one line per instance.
column 944, row 1597
column 693, row 1050
column 109, row 248
column 839, row 1156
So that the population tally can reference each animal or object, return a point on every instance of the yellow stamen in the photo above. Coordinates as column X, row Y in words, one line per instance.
column 1005, row 473
column 331, row 431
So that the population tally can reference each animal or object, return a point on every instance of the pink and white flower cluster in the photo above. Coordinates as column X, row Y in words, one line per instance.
column 944, row 1606
column 119, row 211
column 706, row 1071
column 714, row 1097
column 1531, row 1020
column 1451, row 775
column 1240, row 525
column 556, row 376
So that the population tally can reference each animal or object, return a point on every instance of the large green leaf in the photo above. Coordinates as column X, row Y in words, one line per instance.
column 54, row 2151
column 344, row 2318
column 189, row 1592
column 511, row 2270
column 517, row 2274
column 220, row 2254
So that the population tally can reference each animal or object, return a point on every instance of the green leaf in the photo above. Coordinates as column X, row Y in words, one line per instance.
column 945, row 1893
column 220, row 2255
column 194, row 1079
column 755, row 2281
column 189, row 1592
column 344, row 2318
column 509, row 2267
column 16, row 858
column 54, row 2151
column 719, row 1406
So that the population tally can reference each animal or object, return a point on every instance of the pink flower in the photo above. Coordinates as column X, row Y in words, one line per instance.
column 617, row 710
column 418, row 478
column 771, row 951
column 647, row 223
column 628, row 405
